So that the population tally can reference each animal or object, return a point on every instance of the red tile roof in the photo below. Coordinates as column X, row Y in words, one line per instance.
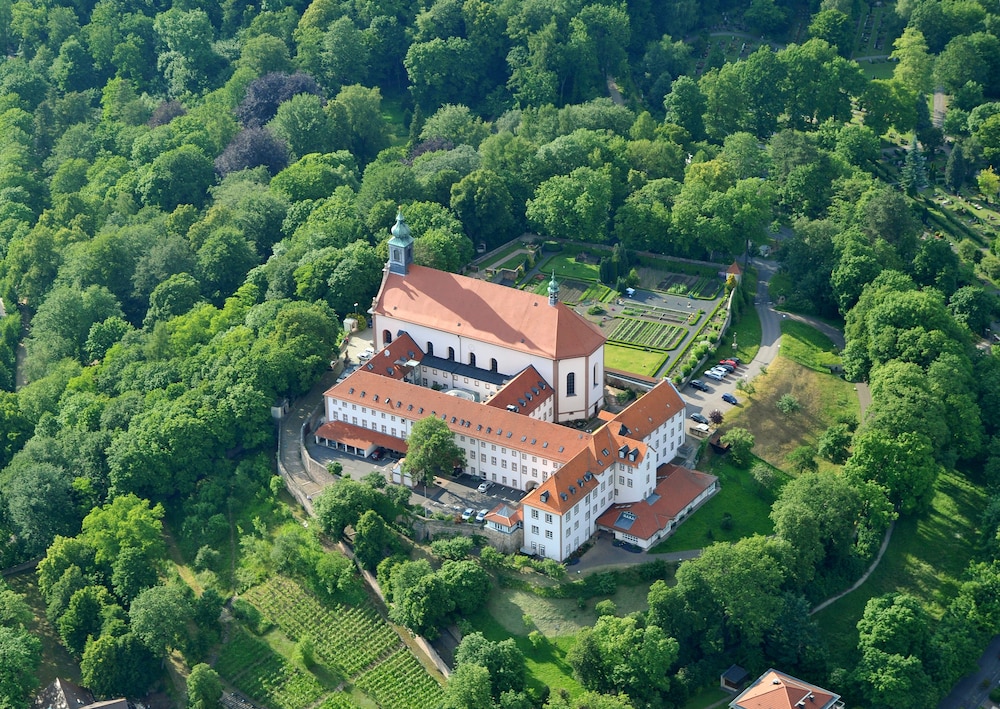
column 523, row 391
column 394, row 359
column 650, row 410
column 400, row 398
column 487, row 312
column 359, row 437
column 678, row 489
column 777, row 690
column 735, row 269
column 504, row 515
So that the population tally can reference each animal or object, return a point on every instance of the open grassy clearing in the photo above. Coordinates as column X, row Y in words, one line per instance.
column 546, row 664
column 746, row 333
column 633, row 360
column 926, row 558
column 808, row 346
column 822, row 398
column 740, row 497
column 565, row 267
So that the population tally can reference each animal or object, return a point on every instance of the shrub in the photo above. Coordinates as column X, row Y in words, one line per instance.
column 606, row 607
column 764, row 475
column 334, row 467
column 788, row 404
column 595, row 310
column 726, row 523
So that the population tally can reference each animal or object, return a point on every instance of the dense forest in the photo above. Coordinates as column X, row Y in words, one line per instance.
column 192, row 198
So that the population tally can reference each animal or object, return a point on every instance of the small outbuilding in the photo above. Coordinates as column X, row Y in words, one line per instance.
column 734, row 679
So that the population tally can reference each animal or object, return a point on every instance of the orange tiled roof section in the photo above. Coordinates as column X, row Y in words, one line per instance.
column 486, row 423
column 735, row 269
column 776, row 690
column 358, row 436
column 627, row 428
column 649, row 411
column 391, row 360
column 505, row 515
column 507, row 317
column 523, row 391
column 676, row 490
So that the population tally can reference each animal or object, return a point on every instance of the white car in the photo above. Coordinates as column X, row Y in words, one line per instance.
column 366, row 355
column 715, row 375
column 720, row 370
column 481, row 515
column 483, row 487
column 467, row 515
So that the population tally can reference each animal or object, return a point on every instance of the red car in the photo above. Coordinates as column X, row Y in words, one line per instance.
column 730, row 362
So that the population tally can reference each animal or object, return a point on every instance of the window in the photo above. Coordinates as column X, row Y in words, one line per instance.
column 493, row 365
column 493, row 460
column 548, row 518
column 386, row 337
column 548, row 534
column 571, row 384
column 534, row 530
column 472, row 360
column 534, row 514
column 630, row 482
column 621, row 479
column 430, row 349
column 451, row 353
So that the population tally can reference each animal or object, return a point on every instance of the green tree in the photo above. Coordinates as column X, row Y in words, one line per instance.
column 204, row 688
column 740, row 442
column 159, row 616
column 118, row 665
column 431, row 450
column 903, row 465
column 989, row 183
column 834, row 27
column 956, row 170
column 622, row 655
column 502, row 659
column 575, row 206
column 303, row 123
column 914, row 62
column 179, row 176
column 834, row 443
column 20, row 658
column 468, row 688
column 913, row 176
column 371, row 538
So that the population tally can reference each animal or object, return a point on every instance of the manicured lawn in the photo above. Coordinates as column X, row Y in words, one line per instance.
column 632, row 360
column 808, row 346
column 565, row 267
column 740, row 496
column 506, row 251
column 926, row 558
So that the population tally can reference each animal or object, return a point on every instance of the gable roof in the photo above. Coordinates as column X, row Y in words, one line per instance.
column 487, row 312
column 486, row 423
column 777, row 690
column 649, row 411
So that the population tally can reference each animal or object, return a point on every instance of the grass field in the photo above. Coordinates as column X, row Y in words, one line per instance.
column 747, row 335
column 546, row 664
column 926, row 558
column 566, row 267
column 822, row 398
column 632, row 360
column 808, row 346
column 740, row 496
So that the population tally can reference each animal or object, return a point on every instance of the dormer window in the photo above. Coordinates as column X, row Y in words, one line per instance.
column 375, row 397
column 605, row 451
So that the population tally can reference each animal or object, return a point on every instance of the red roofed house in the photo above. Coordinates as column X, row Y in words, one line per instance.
column 776, row 690
column 501, row 367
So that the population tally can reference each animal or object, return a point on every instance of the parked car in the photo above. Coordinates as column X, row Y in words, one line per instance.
column 366, row 355
column 468, row 514
column 698, row 417
column 699, row 385
column 731, row 361
column 728, row 367
column 378, row 453
column 711, row 374
column 718, row 370
column 483, row 487
column 730, row 399
column 481, row 515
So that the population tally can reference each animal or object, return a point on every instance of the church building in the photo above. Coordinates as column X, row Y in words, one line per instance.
column 505, row 369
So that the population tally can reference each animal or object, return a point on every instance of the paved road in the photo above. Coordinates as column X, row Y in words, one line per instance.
column 970, row 693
